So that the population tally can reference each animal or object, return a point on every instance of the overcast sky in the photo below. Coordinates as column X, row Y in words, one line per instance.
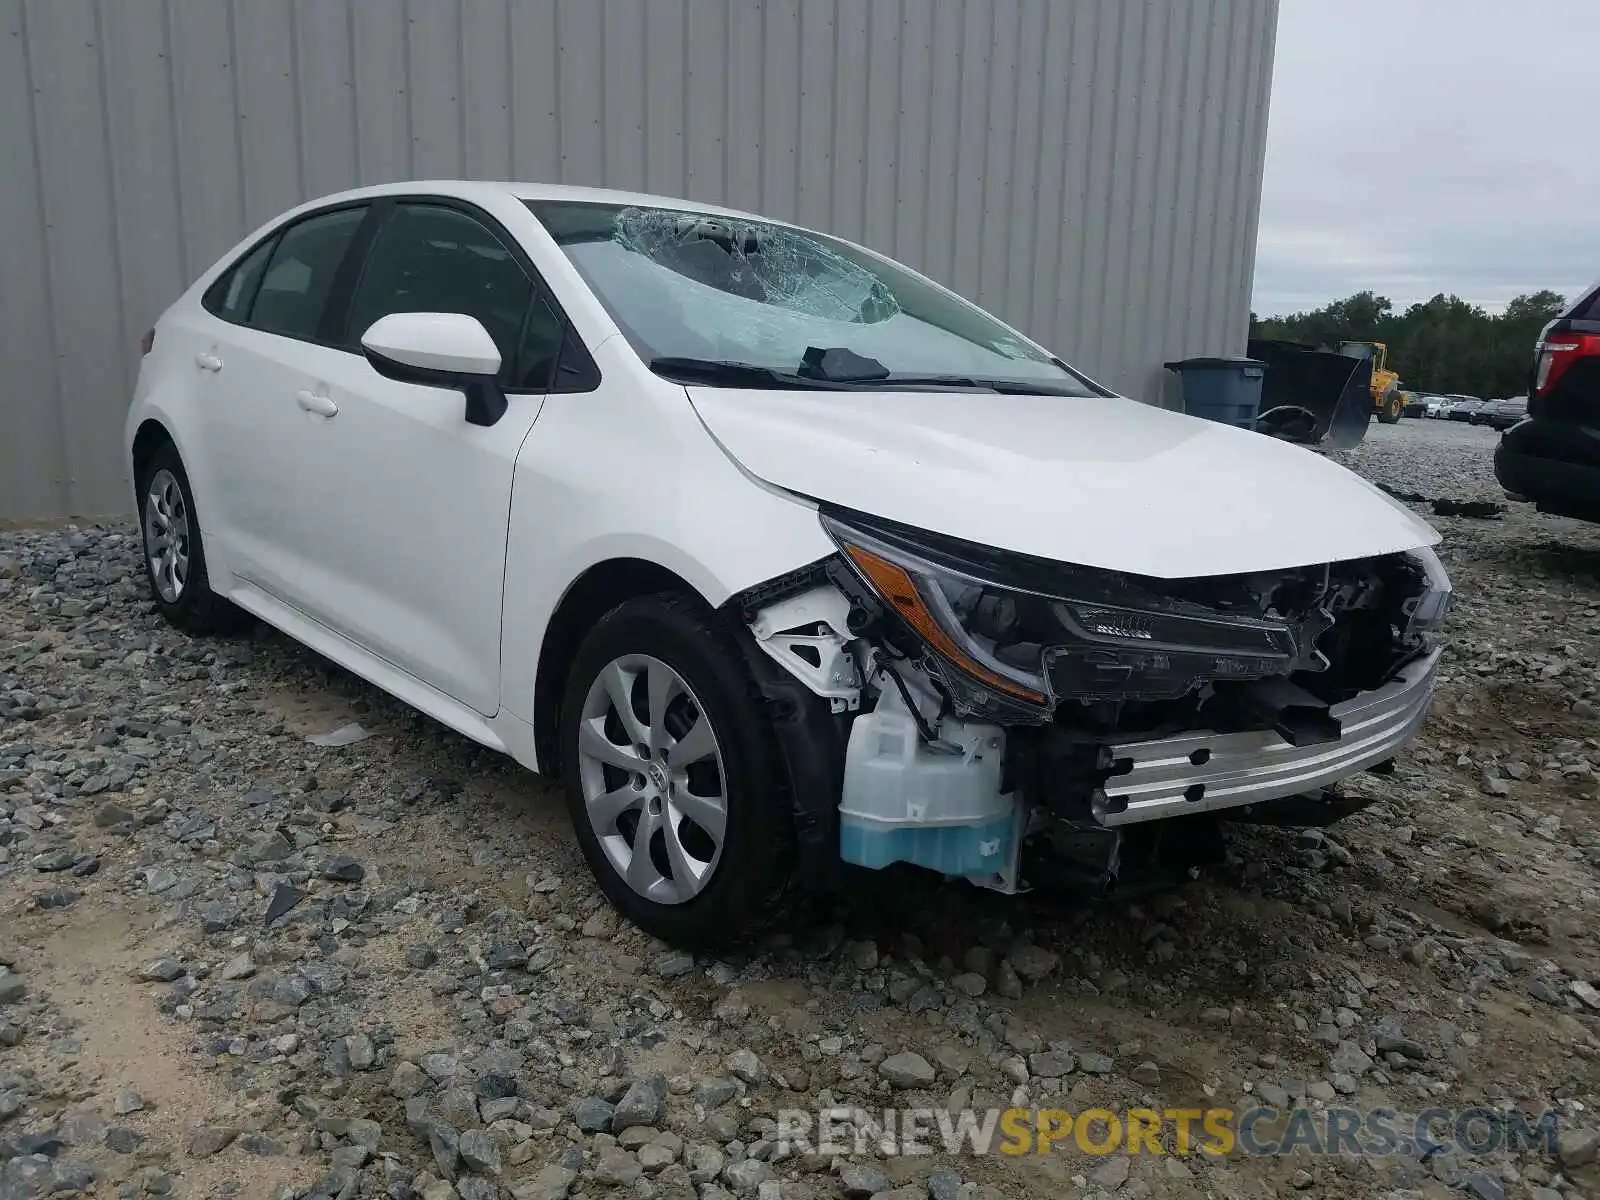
column 1425, row 146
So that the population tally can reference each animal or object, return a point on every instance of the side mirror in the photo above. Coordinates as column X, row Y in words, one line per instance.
column 449, row 350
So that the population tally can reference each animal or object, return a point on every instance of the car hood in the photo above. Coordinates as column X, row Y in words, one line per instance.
column 1102, row 482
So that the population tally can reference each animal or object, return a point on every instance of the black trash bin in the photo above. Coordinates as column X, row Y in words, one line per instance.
column 1221, row 389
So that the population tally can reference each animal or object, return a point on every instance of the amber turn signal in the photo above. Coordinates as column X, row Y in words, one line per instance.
column 894, row 583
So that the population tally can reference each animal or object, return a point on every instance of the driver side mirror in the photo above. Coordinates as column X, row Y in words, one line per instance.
column 449, row 350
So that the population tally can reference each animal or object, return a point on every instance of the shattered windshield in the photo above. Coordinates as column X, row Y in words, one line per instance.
column 696, row 286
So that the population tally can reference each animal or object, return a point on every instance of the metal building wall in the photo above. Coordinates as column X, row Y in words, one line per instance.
column 1088, row 169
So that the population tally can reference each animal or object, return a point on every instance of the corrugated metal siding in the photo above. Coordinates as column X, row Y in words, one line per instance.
column 1088, row 169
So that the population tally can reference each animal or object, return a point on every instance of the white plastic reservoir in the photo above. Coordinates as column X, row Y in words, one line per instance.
column 907, row 802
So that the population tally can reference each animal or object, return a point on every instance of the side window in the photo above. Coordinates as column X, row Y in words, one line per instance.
column 230, row 296
column 429, row 258
column 294, row 291
column 543, row 335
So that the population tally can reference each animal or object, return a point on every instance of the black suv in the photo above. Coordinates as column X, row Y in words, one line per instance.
column 1553, row 458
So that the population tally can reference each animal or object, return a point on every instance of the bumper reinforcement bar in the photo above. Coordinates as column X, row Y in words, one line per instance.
column 1204, row 772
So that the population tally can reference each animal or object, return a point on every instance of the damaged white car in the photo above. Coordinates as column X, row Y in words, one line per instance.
column 780, row 554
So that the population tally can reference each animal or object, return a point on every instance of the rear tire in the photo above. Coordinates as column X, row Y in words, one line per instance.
column 173, row 549
column 1389, row 408
column 681, row 813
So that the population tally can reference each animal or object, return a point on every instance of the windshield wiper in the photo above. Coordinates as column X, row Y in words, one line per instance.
column 715, row 372
column 1006, row 387
column 840, row 364
column 725, row 373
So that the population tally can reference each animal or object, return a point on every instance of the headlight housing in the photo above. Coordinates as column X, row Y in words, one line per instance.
column 1426, row 610
column 1068, row 633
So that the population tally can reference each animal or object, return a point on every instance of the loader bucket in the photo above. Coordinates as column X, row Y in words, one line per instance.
column 1311, row 396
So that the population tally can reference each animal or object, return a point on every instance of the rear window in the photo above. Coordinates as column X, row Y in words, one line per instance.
column 230, row 296
column 1588, row 309
column 295, row 288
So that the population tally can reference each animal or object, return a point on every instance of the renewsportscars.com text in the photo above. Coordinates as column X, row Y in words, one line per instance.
column 1217, row 1131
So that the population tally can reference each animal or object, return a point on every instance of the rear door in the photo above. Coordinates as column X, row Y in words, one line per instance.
column 406, row 552
column 253, row 361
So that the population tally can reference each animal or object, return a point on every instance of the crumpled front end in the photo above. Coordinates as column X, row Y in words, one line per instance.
column 1002, row 713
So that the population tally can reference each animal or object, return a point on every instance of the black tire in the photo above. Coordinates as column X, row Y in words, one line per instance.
column 197, row 609
column 749, row 885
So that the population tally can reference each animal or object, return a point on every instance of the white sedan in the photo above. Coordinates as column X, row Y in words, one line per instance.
column 780, row 554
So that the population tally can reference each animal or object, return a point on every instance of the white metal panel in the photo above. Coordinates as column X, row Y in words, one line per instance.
column 208, row 148
column 486, row 73
column 325, row 97
column 705, row 99
column 1090, row 169
column 743, row 118
column 82, row 248
column 780, row 108
column 382, row 81
column 581, row 98
column 433, row 70
column 851, row 117
column 627, row 106
column 33, row 475
column 271, row 133
column 535, row 92
column 664, row 80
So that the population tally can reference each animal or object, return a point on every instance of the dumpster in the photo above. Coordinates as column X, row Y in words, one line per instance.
column 1312, row 396
column 1221, row 389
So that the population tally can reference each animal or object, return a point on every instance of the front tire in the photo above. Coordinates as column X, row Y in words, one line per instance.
column 174, row 551
column 672, row 775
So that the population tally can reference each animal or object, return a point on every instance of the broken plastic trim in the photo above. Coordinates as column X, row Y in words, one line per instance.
column 811, row 744
column 808, row 635
column 1295, row 715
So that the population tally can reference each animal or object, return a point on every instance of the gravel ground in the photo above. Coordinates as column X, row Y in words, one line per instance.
column 237, row 963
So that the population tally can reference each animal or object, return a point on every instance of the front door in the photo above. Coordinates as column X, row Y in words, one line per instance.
column 408, row 503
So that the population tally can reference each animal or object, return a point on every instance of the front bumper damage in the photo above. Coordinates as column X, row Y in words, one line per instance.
column 899, row 757
column 1204, row 771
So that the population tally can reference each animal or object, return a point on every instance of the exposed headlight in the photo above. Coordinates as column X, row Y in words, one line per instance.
column 1428, row 607
column 1107, row 640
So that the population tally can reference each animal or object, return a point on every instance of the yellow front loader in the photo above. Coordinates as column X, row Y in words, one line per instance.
column 1387, row 399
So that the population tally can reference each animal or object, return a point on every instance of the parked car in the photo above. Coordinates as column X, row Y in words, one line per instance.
column 778, row 553
column 1415, row 404
column 1553, row 457
column 1464, row 409
column 1435, row 406
column 1503, row 414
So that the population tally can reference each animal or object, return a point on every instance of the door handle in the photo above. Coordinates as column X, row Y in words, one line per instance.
column 207, row 362
column 316, row 402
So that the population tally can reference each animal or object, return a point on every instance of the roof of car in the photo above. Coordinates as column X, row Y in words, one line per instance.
column 556, row 191
column 467, row 188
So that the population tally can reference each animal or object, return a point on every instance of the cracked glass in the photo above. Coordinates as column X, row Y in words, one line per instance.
column 733, row 289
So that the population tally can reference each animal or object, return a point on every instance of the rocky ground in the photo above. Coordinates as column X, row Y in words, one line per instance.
column 236, row 963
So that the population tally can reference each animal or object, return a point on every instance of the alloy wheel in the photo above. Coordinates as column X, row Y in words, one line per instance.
column 653, row 784
column 166, row 535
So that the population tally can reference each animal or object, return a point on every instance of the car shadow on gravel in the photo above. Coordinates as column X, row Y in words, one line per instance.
column 934, row 919
column 1547, row 558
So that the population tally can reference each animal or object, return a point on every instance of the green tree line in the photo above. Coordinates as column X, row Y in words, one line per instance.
column 1443, row 345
